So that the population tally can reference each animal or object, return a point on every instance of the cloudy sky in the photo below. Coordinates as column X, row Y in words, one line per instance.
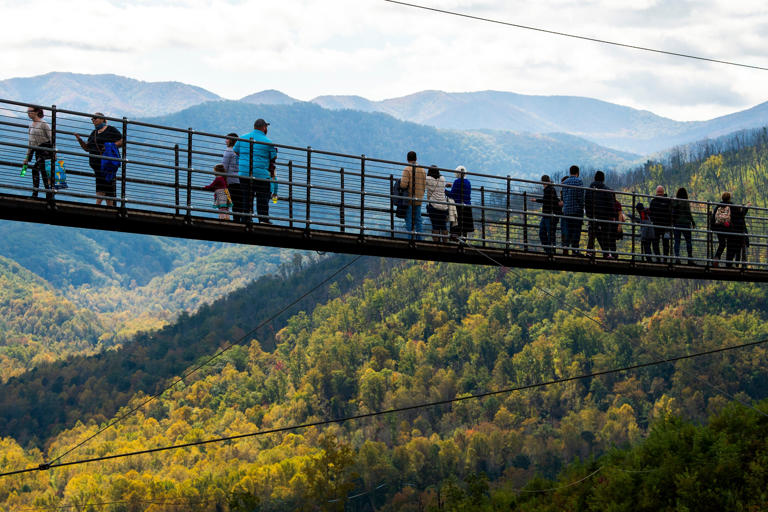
column 376, row 49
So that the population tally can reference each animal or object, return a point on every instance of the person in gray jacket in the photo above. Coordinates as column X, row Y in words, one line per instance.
column 647, row 232
column 230, row 163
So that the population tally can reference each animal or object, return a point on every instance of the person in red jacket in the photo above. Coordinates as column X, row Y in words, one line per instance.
column 221, row 198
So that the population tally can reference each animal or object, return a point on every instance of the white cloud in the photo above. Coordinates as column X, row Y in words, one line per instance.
column 376, row 49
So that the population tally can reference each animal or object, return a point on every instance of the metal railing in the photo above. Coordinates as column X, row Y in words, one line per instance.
column 164, row 169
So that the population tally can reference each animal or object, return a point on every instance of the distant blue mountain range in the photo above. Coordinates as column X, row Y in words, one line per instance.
column 603, row 123
column 112, row 94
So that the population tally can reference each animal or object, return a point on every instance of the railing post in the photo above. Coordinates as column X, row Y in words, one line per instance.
column 189, row 174
column 525, row 220
column 482, row 213
column 362, row 197
column 341, row 204
column 391, row 207
column 634, row 202
column 176, row 185
column 290, row 193
column 123, row 209
column 709, row 236
column 52, row 177
column 249, row 209
column 309, row 188
column 509, row 207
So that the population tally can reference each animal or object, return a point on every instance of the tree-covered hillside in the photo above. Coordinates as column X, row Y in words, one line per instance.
column 37, row 325
column 129, row 282
column 414, row 333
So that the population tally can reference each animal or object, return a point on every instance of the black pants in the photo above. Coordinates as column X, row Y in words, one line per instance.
column 735, row 244
column 236, row 192
column 722, row 241
column 261, row 195
column 663, row 235
column 604, row 232
column 38, row 170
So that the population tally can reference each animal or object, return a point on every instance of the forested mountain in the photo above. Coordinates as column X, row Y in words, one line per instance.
column 737, row 163
column 38, row 325
column 382, row 334
column 412, row 333
column 382, row 136
column 112, row 94
column 31, row 404
column 126, row 283
column 682, row 465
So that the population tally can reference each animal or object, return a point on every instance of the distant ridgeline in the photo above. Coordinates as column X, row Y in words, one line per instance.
column 737, row 163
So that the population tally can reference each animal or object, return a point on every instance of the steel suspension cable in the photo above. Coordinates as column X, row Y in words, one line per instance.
column 576, row 36
column 208, row 361
column 320, row 423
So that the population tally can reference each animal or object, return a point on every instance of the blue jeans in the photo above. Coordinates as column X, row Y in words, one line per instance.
column 573, row 232
column 413, row 220
column 547, row 234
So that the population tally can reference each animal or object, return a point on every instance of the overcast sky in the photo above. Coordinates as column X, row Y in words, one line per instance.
column 378, row 50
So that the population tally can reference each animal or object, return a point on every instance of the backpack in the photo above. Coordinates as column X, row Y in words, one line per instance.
column 723, row 216
column 399, row 202
column 109, row 167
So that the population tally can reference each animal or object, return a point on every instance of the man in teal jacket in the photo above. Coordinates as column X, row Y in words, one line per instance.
column 264, row 155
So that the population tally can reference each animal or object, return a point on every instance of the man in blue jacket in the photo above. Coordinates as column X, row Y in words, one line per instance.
column 573, row 210
column 263, row 171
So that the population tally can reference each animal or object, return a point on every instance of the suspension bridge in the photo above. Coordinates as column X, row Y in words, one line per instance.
column 327, row 201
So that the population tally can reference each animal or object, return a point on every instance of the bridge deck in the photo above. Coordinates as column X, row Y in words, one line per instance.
column 327, row 202
column 67, row 213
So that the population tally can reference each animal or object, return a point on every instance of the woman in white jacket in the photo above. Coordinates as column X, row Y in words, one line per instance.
column 437, row 205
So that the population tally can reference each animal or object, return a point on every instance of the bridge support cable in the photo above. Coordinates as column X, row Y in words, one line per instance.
column 576, row 36
column 321, row 423
column 205, row 363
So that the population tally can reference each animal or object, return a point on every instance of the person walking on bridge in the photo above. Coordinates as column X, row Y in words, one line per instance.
column 106, row 185
column 260, row 182
column 413, row 181
column 573, row 210
column 39, row 137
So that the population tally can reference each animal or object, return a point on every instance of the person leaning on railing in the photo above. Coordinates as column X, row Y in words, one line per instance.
column 682, row 219
column 573, row 207
column 101, row 134
column 437, row 205
column 550, row 206
column 661, row 215
column 414, row 181
column 729, row 223
column 461, row 193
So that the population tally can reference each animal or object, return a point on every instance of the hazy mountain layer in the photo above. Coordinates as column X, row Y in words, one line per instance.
column 112, row 94
column 382, row 136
